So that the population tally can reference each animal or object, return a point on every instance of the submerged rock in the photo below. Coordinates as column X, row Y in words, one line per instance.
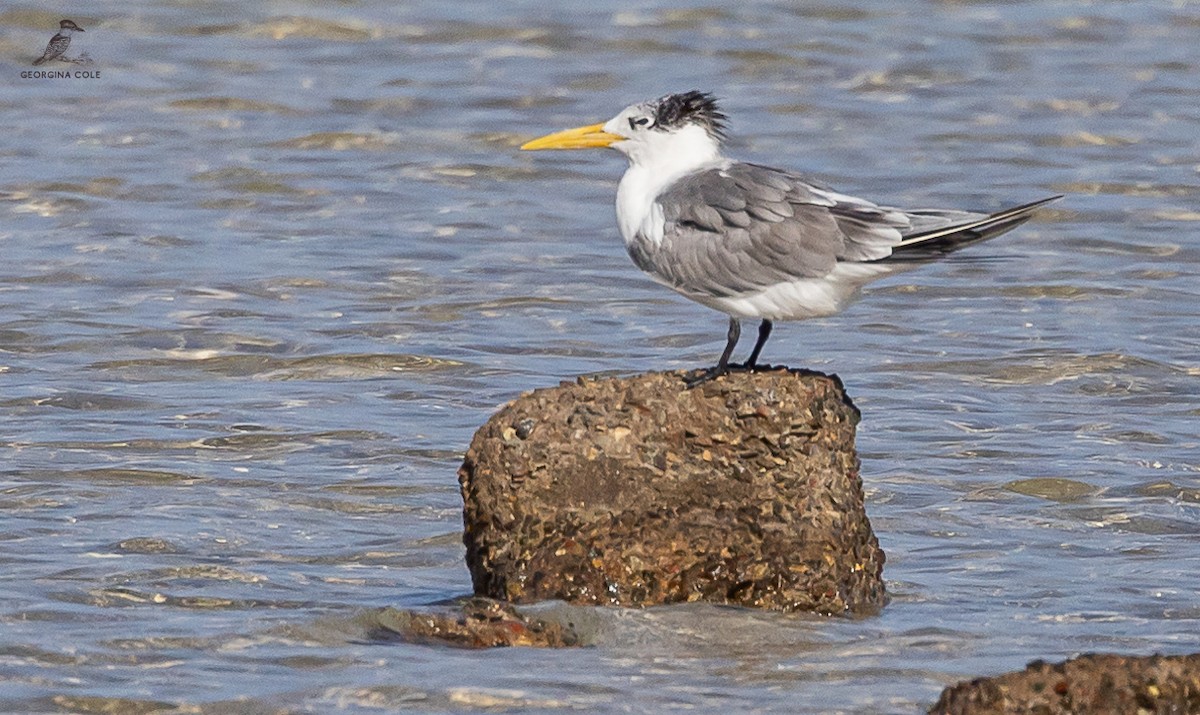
column 476, row 623
column 637, row 491
column 1087, row 685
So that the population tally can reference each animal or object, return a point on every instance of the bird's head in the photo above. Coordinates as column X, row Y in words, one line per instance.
column 688, row 124
column 68, row 25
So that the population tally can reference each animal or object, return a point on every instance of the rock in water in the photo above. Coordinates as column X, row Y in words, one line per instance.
column 636, row 491
column 1093, row 684
column 474, row 623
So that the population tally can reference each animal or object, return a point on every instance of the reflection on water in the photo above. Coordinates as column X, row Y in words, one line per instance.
column 264, row 278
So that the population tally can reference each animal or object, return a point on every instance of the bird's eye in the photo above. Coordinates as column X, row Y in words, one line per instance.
column 635, row 122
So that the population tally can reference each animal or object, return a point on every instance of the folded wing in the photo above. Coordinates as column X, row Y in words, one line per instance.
column 745, row 227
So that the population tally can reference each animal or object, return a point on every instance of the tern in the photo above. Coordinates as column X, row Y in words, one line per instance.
column 60, row 42
column 754, row 241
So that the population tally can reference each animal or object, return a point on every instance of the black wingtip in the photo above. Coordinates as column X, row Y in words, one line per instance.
column 947, row 239
column 1028, row 207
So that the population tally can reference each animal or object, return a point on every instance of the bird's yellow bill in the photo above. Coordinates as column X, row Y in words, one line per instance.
column 587, row 137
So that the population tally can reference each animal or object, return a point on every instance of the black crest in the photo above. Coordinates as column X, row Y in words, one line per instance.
column 677, row 110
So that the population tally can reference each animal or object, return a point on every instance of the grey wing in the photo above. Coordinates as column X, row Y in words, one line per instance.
column 745, row 227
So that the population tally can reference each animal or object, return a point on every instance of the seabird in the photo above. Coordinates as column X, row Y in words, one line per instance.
column 60, row 42
column 754, row 241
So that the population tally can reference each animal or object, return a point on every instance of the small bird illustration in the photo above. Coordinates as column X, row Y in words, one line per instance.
column 754, row 241
column 59, row 43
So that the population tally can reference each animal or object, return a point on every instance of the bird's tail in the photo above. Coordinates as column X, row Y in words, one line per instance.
column 39, row 60
column 953, row 230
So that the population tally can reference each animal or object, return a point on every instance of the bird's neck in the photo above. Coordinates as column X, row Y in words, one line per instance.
column 653, row 167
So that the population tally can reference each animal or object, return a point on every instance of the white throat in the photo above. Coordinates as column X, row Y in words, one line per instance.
column 657, row 160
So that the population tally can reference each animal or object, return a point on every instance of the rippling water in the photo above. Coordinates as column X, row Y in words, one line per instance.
column 265, row 275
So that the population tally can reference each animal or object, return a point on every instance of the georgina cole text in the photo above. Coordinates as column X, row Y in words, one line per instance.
column 60, row 74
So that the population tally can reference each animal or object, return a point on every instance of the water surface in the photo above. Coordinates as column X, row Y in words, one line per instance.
column 264, row 277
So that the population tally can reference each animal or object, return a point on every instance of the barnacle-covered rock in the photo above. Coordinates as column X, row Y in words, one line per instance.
column 638, row 491
column 1094, row 684
column 474, row 623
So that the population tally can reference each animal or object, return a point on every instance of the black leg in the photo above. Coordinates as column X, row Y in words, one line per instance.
column 722, row 367
column 764, row 332
column 735, row 333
